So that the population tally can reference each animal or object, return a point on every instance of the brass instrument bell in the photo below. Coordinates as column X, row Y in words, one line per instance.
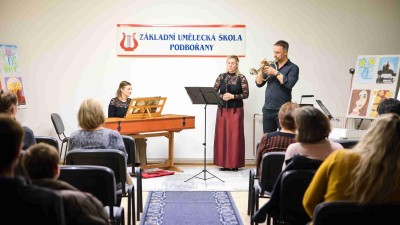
column 264, row 64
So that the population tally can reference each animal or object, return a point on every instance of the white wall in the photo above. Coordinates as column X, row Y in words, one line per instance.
column 68, row 53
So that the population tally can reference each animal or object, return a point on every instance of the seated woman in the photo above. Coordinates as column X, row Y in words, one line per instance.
column 93, row 135
column 367, row 174
column 312, row 147
column 9, row 106
column 118, row 107
column 278, row 141
column 313, row 128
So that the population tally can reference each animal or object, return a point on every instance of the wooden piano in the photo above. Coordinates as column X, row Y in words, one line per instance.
column 163, row 125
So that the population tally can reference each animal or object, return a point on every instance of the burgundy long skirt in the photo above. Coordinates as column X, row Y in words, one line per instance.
column 229, row 146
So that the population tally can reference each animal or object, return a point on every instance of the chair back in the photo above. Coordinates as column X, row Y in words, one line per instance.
column 294, row 184
column 348, row 144
column 350, row 213
column 271, row 167
column 58, row 123
column 111, row 158
column 48, row 140
column 97, row 180
column 130, row 147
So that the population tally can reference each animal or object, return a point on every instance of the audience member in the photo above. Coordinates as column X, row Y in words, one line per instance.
column 9, row 106
column 312, row 147
column 367, row 174
column 22, row 202
column 389, row 105
column 272, row 207
column 40, row 163
column 313, row 128
column 278, row 141
column 93, row 135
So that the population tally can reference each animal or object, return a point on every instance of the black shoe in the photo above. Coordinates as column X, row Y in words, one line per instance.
column 223, row 169
column 234, row 169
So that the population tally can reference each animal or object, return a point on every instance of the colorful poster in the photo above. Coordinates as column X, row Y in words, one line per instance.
column 365, row 67
column 15, row 85
column 359, row 103
column 377, row 97
column 388, row 70
column 375, row 79
column 9, row 61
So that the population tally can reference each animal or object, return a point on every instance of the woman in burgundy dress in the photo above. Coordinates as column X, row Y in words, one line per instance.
column 229, row 144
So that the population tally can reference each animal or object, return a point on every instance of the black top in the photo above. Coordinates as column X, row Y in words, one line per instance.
column 276, row 94
column 118, row 108
column 37, row 205
column 234, row 84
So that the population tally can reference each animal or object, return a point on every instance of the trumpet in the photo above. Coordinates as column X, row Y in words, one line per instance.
column 264, row 64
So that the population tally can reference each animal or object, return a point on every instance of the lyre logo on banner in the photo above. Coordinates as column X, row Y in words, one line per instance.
column 126, row 43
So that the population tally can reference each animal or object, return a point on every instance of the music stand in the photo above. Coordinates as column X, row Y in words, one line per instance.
column 204, row 96
column 324, row 109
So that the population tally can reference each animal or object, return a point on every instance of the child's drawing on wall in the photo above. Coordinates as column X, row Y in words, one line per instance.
column 377, row 97
column 14, row 84
column 9, row 61
column 364, row 69
column 359, row 103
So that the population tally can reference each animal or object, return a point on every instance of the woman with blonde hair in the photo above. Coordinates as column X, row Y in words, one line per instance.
column 368, row 174
column 92, row 133
column 229, row 143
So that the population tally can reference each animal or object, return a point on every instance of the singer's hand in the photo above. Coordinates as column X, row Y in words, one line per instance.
column 227, row 96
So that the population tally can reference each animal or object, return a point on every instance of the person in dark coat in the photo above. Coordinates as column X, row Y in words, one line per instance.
column 22, row 202
column 40, row 163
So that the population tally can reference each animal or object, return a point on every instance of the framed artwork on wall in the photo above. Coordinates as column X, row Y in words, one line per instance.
column 10, row 73
column 376, row 78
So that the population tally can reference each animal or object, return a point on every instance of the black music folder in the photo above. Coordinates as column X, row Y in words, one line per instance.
column 203, row 95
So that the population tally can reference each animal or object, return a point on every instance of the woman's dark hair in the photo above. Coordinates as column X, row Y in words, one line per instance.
column 312, row 125
column 389, row 105
column 7, row 100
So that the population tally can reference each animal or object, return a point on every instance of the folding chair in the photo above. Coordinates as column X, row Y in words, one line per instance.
column 100, row 182
column 113, row 159
column 349, row 213
column 271, row 167
column 60, row 129
column 130, row 147
column 48, row 140
column 294, row 184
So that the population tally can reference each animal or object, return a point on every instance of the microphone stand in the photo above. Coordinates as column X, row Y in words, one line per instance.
column 226, row 91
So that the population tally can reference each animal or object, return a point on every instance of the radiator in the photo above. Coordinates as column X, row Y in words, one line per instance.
column 340, row 121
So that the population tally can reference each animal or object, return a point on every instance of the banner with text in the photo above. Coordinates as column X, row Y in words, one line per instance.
column 181, row 40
